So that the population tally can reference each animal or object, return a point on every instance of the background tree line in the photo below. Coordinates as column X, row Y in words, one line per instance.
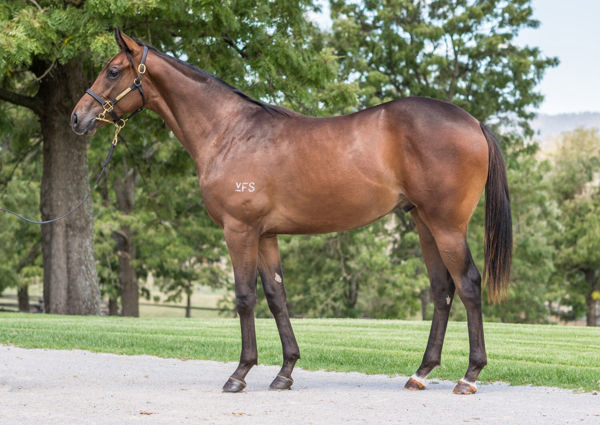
column 148, row 215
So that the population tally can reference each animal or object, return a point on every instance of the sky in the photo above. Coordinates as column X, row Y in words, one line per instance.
column 569, row 30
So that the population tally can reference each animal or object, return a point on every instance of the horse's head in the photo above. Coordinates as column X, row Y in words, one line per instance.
column 117, row 90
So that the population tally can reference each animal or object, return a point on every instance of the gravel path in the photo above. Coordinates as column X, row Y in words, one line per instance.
column 79, row 387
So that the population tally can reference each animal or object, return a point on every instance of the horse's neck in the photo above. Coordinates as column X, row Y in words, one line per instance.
column 196, row 112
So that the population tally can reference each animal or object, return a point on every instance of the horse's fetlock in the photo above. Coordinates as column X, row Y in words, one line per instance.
column 247, row 363
column 428, row 365
column 478, row 361
column 292, row 356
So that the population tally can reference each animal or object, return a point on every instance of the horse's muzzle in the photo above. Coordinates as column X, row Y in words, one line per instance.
column 82, row 124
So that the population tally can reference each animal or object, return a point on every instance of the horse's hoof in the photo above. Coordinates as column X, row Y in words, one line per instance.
column 415, row 383
column 234, row 385
column 465, row 388
column 281, row 383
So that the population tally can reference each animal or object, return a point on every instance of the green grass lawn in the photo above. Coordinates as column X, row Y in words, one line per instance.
column 567, row 357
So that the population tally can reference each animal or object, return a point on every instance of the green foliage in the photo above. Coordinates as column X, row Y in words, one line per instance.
column 576, row 190
column 465, row 52
column 519, row 354
column 576, row 160
column 535, row 222
column 459, row 50
column 191, row 245
column 266, row 48
column 19, row 189
column 462, row 51
column 349, row 274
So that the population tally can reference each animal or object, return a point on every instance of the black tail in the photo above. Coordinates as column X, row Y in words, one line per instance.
column 498, row 223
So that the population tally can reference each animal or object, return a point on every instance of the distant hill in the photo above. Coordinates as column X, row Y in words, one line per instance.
column 549, row 126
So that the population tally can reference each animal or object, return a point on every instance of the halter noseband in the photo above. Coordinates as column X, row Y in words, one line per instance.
column 108, row 105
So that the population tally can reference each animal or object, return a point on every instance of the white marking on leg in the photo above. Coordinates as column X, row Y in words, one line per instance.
column 448, row 300
column 278, row 278
column 422, row 381
column 472, row 384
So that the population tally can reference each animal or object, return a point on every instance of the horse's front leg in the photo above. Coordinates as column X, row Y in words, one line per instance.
column 243, row 250
column 269, row 267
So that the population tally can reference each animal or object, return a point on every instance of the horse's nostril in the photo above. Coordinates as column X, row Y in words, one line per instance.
column 74, row 118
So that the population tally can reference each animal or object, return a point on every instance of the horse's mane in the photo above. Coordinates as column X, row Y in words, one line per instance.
column 198, row 74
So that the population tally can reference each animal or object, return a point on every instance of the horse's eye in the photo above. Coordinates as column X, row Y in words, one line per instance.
column 112, row 74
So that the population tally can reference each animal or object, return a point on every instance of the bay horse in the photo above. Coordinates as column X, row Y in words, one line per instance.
column 265, row 170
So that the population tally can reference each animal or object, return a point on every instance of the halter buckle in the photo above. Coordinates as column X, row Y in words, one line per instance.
column 119, row 126
column 107, row 107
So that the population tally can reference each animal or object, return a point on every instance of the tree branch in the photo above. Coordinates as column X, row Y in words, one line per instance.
column 18, row 99
column 36, row 4
column 227, row 39
column 46, row 72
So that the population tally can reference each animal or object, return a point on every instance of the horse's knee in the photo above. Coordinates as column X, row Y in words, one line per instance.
column 245, row 302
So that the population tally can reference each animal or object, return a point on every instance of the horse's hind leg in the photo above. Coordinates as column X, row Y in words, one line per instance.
column 454, row 252
column 442, row 288
column 269, row 267
column 469, row 291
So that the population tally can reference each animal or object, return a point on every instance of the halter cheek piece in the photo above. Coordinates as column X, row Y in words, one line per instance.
column 108, row 105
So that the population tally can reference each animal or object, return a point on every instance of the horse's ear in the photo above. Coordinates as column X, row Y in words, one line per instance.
column 125, row 42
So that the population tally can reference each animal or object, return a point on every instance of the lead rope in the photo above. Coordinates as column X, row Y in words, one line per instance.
column 119, row 126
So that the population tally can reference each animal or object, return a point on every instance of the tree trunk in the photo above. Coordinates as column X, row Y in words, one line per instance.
column 70, row 279
column 591, row 317
column 125, row 193
column 127, row 275
column 23, row 297
column 352, row 293
column 188, row 307
column 591, row 298
column 351, row 281
column 113, row 307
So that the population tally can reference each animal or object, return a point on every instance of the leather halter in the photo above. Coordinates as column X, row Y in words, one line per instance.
column 108, row 105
